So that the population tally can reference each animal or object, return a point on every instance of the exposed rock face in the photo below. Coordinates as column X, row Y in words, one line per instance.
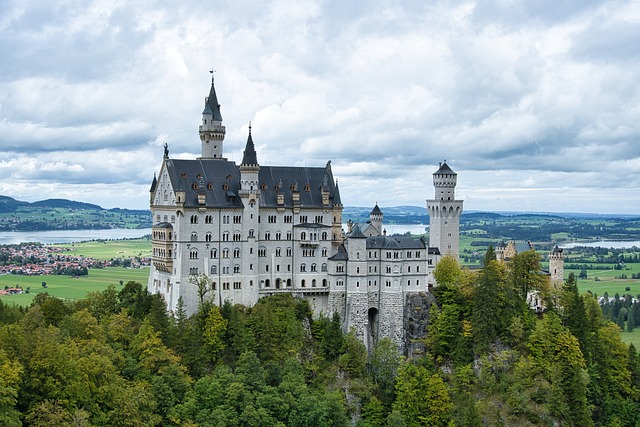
column 416, row 320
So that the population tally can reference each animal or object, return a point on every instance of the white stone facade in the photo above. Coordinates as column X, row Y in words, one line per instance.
column 254, row 231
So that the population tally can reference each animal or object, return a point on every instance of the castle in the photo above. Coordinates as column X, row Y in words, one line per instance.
column 251, row 230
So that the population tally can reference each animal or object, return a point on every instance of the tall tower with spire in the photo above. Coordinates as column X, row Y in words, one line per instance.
column 444, row 212
column 211, row 130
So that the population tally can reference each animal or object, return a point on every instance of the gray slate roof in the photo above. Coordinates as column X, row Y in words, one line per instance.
column 211, row 105
column 222, row 183
column 395, row 242
column 444, row 170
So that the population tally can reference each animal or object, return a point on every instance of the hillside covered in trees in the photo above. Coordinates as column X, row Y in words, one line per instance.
column 116, row 358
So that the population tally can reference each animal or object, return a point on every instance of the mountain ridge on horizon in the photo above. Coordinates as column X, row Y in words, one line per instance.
column 9, row 204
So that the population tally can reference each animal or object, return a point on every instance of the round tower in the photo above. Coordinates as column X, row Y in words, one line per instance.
column 444, row 212
column 211, row 130
column 375, row 218
column 556, row 266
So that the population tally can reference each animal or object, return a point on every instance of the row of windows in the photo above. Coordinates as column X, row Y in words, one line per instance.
column 165, row 218
column 237, row 219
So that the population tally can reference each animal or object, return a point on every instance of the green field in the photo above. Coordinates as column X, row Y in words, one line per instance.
column 107, row 249
column 68, row 287
column 631, row 337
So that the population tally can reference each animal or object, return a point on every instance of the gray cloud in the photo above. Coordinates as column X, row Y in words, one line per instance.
column 534, row 104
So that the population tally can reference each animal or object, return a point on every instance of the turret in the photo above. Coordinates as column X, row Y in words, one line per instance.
column 211, row 130
column 444, row 212
column 375, row 217
column 556, row 266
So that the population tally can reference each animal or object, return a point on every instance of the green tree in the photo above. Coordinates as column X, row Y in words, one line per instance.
column 422, row 398
column 10, row 378
column 385, row 361
column 214, row 331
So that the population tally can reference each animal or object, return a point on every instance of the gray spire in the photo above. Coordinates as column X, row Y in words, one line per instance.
column 250, row 156
column 211, row 105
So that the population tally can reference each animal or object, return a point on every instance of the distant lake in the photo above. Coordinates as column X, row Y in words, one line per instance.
column 615, row 244
column 69, row 236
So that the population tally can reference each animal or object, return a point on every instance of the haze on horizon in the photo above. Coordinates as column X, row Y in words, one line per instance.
column 535, row 105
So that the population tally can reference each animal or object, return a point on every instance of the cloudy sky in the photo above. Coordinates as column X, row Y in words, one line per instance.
column 535, row 104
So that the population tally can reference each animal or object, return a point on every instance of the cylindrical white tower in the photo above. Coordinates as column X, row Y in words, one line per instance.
column 444, row 212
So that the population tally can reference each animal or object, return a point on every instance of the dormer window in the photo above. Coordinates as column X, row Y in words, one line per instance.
column 225, row 186
column 263, row 186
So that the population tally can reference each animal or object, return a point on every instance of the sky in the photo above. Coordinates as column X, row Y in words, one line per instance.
column 535, row 104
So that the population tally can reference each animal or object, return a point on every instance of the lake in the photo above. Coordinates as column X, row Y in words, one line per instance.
column 615, row 244
column 69, row 236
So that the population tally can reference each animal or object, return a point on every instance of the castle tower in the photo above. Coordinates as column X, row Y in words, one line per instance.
column 556, row 266
column 211, row 130
column 375, row 217
column 444, row 212
column 249, row 193
column 357, row 298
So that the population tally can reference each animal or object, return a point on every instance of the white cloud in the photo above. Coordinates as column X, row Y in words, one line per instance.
column 535, row 105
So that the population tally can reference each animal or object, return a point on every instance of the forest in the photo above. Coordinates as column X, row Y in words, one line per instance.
column 117, row 358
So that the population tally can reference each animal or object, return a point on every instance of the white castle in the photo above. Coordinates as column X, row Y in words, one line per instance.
column 256, row 230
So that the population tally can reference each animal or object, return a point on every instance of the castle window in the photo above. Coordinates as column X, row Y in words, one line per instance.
column 289, row 235
column 340, row 268
column 267, row 236
column 324, row 252
column 278, row 252
column 323, row 267
column 237, row 219
column 193, row 254
column 289, row 251
column 251, row 233
column 194, row 219
column 313, row 283
column 237, row 236
column 236, row 268
column 214, row 269
column 225, row 253
column 324, row 283
column 214, row 254
column 236, row 253
column 194, row 237
column 225, row 236
column 303, row 236
column 325, row 235
column 307, row 188
column 237, row 285
column 278, row 235
column 193, row 271
column 207, row 237
column 210, row 186
column 262, row 252
column 303, row 268
column 225, row 186
column 314, row 267
column 302, row 283
column 263, row 186
column 194, row 185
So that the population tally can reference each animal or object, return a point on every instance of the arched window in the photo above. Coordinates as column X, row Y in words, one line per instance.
column 214, row 269
column 207, row 237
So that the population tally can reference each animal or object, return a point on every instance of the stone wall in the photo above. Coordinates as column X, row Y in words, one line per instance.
column 416, row 320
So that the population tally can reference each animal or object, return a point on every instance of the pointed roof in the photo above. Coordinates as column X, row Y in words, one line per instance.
column 444, row 170
column 250, row 156
column 342, row 254
column 154, row 184
column 376, row 210
column 211, row 105
column 336, row 195
column 356, row 233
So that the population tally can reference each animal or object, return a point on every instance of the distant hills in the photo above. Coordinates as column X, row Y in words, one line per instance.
column 62, row 214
